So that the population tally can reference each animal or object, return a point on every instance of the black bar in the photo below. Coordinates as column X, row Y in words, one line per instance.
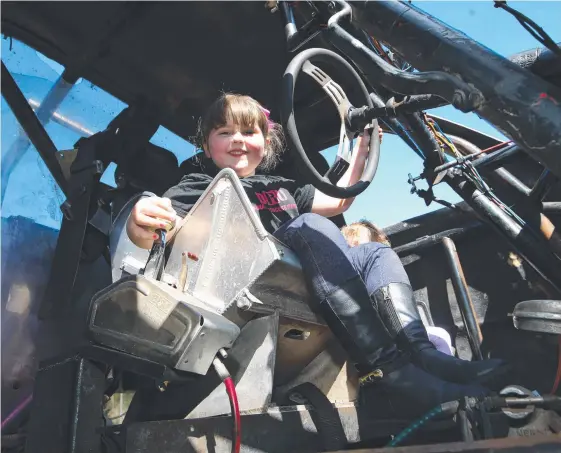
column 32, row 126
column 512, row 180
column 66, row 414
column 426, row 140
column 429, row 241
column 533, row 248
column 493, row 160
column 526, row 207
column 553, row 207
column 45, row 111
column 534, row 105
column 463, row 298
column 541, row 61
column 439, row 83
column 359, row 117
column 543, row 185
column 395, row 125
column 68, row 252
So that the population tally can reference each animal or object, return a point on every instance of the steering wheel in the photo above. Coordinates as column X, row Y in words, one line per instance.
column 328, row 182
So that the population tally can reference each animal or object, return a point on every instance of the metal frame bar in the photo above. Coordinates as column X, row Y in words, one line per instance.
column 533, row 249
column 32, row 127
column 463, row 298
column 44, row 113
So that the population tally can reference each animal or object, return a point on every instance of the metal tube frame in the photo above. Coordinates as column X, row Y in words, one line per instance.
column 44, row 112
column 32, row 126
column 463, row 298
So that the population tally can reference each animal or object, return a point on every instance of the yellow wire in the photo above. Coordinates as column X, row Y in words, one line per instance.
column 443, row 140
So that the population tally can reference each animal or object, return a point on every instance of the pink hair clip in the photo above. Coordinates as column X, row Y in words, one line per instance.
column 265, row 111
column 267, row 114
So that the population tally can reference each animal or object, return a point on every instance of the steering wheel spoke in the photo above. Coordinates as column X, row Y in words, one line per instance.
column 333, row 89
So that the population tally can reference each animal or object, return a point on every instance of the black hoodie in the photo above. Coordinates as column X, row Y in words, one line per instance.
column 275, row 199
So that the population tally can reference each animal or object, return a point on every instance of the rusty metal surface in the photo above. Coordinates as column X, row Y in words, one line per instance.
column 290, row 429
column 538, row 444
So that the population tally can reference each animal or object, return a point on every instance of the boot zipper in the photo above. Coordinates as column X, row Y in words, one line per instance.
column 370, row 377
column 386, row 293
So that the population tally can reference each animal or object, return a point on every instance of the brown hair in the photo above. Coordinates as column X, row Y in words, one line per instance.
column 246, row 112
column 375, row 233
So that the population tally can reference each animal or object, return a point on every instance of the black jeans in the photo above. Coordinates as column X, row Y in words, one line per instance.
column 328, row 261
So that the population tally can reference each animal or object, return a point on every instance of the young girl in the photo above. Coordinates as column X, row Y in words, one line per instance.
column 362, row 232
column 354, row 287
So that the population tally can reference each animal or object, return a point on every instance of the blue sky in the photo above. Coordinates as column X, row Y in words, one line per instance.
column 385, row 202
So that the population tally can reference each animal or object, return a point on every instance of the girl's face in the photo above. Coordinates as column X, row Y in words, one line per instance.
column 240, row 148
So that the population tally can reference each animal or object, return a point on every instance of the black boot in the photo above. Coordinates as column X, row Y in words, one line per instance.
column 399, row 312
column 388, row 376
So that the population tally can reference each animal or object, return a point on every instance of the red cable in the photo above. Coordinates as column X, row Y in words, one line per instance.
column 232, row 395
column 494, row 147
column 558, row 375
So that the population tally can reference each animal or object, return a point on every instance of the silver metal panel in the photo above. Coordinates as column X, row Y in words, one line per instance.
column 145, row 317
column 228, row 241
column 258, row 340
column 282, row 287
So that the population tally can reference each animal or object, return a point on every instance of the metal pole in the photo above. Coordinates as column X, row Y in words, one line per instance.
column 533, row 248
column 426, row 242
column 465, row 303
column 32, row 126
column 44, row 111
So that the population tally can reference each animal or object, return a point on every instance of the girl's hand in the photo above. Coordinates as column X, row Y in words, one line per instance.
column 362, row 145
column 148, row 215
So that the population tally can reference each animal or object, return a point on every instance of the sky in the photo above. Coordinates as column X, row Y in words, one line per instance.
column 385, row 202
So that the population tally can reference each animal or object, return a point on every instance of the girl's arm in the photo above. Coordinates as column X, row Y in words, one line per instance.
column 328, row 206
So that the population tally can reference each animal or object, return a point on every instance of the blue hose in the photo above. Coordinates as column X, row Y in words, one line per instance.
column 451, row 407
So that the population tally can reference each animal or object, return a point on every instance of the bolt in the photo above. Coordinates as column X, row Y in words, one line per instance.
column 458, row 100
column 162, row 386
column 243, row 303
